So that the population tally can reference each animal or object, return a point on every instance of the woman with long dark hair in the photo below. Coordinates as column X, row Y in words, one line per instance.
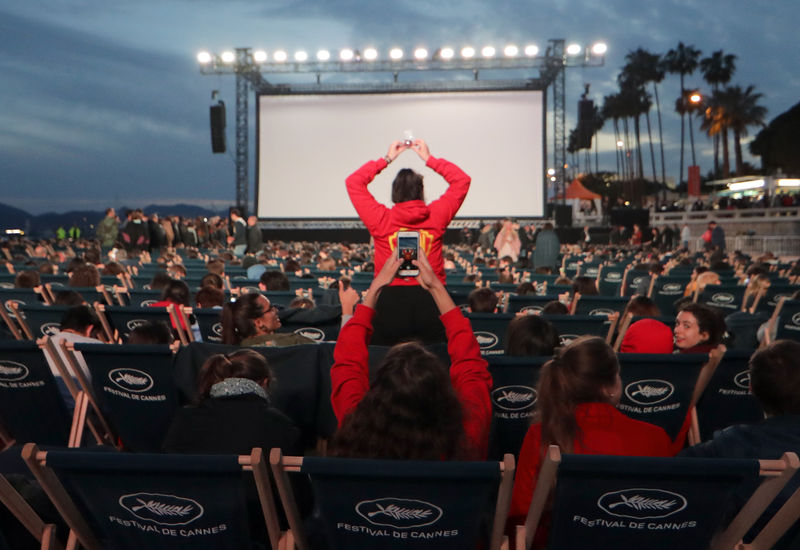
column 251, row 320
column 578, row 392
column 414, row 408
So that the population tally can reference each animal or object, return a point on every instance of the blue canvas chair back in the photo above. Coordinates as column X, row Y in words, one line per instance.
column 529, row 302
column 637, row 502
column 135, row 389
column 91, row 295
column 210, row 323
column 31, row 406
column 609, row 282
column 571, row 265
column 727, row 400
column 141, row 297
column 370, row 504
column 600, row 305
column 657, row 388
column 43, row 320
column 322, row 325
column 773, row 295
column 667, row 289
column 490, row 331
column 126, row 318
column 21, row 296
column 137, row 501
column 570, row 327
column 540, row 278
column 280, row 299
column 788, row 325
column 513, row 401
column 724, row 298
column 632, row 280
column 590, row 269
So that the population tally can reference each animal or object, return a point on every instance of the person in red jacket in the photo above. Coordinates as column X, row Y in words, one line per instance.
column 413, row 408
column 406, row 311
column 576, row 409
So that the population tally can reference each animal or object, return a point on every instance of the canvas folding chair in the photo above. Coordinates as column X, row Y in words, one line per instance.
column 31, row 405
column 786, row 318
column 631, row 280
column 24, row 296
column 132, row 390
column 10, row 322
column 773, row 295
column 570, row 327
column 45, row 534
column 771, row 534
column 137, row 297
column 599, row 305
column 666, row 290
column 609, row 280
column 490, row 331
column 122, row 501
column 399, row 504
column 119, row 321
column 38, row 320
column 724, row 298
column 727, row 400
column 645, row 502
column 209, row 320
column 533, row 303
column 322, row 326
column 513, row 401
column 99, row 293
column 662, row 388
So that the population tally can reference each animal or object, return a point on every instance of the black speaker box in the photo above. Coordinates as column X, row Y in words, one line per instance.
column 630, row 216
column 561, row 213
column 217, row 118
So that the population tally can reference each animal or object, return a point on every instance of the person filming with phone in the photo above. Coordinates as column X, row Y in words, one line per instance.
column 404, row 310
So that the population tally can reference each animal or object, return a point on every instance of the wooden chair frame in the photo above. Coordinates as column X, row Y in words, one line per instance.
column 20, row 509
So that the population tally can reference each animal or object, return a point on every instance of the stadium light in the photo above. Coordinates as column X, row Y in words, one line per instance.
column 447, row 53
column 573, row 49
column 599, row 48
column 204, row 57
column 301, row 56
column 396, row 54
column 531, row 50
column 420, row 54
column 510, row 51
column 488, row 51
column 346, row 54
column 370, row 54
column 259, row 56
column 468, row 52
column 280, row 56
column 323, row 55
column 228, row 56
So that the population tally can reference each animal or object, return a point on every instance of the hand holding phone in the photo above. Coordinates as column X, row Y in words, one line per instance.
column 408, row 251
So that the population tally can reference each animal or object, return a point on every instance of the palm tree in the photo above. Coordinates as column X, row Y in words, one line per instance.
column 682, row 60
column 744, row 112
column 717, row 69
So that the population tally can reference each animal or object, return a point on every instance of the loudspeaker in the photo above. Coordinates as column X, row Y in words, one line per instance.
column 561, row 213
column 585, row 119
column 217, row 118
column 630, row 216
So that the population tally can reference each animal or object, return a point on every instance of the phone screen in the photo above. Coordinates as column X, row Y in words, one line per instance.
column 408, row 251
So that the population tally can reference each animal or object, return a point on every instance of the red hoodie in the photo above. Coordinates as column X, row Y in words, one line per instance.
column 430, row 220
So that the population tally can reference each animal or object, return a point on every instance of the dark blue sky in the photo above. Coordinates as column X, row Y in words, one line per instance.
column 103, row 103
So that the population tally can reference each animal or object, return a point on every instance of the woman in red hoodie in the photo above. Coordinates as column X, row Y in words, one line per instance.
column 405, row 310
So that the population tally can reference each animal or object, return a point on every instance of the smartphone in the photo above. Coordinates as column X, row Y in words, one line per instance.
column 408, row 250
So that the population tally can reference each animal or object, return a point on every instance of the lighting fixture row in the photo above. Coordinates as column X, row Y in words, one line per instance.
column 397, row 54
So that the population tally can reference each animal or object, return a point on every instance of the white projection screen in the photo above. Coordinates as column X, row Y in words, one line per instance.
column 309, row 144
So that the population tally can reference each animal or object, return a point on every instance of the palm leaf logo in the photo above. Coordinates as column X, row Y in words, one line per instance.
column 638, row 502
column 161, row 509
column 397, row 512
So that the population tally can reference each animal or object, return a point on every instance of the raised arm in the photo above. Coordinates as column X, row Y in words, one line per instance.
column 369, row 210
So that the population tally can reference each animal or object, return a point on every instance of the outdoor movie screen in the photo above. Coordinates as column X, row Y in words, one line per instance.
column 309, row 144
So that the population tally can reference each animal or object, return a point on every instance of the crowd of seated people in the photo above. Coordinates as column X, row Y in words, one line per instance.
column 413, row 406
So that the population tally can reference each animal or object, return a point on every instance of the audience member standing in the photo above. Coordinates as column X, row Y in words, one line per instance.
column 108, row 229
column 545, row 254
column 239, row 237
column 507, row 242
column 717, row 236
column 255, row 241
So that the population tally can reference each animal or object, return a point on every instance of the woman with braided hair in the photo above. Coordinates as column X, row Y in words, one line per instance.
column 578, row 392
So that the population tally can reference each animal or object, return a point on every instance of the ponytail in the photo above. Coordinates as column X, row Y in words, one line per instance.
column 244, row 363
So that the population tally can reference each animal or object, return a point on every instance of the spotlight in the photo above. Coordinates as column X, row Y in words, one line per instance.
column 370, row 54
column 510, row 51
column 301, row 56
column 228, row 56
column 203, row 57
column 551, row 171
column 280, row 56
column 420, row 54
column 600, row 48
column 447, row 53
column 259, row 56
column 573, row 49
column 346, row 54
column 468, row 52
column 396, row 53
column 323, row 55
column 488, row 51
column 531, row 50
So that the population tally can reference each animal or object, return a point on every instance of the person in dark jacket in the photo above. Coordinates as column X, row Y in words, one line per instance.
column 545, row 254
column 255, row 242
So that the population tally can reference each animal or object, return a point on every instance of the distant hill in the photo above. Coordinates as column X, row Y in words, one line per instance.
column 44, row 225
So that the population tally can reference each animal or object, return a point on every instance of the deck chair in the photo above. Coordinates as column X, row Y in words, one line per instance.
column 92, row 294
column 45, row 534
column 37, row 320
column 11, row 326
column 490, row 331
column 31, row 406
column 667, row 289
column 784, row 519
column 513, row 401
column 570, row 327
column 119, row 321
column 528, row 302
column 131, row 388
column 773, row 295
column 786, row 318
column 137, row 297
column 645, row 502
column 399, row 504
column 632, row 279
column 120, row 501
column 609, row 280
column 209, row 320
column 23, row 296
column 727, row 400
column 660, row 388
column 320, row 324
column 599, row 305
column 724, row 298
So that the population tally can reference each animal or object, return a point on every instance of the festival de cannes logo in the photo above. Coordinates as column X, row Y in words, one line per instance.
column 796, row 318
column 567, row 338
column 514, row 398
column 147, row 303
column 312, row 333
column 6, row 285
column 133, row 323
column 591, row 272
column 637, row 280
column 649, row 392
column 641, row 503
column 486, row 340
column 217, row 329
column 131, row 380
column 601, row 311
column 671, row 288
column 722, row 298
column 533, row 309
column 742, row 379
column 399, row 513
column 12, row 372
column 162, row 509
column 614, row 276
column 50, row 329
